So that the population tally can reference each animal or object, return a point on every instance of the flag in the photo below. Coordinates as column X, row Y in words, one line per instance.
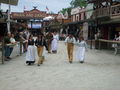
column 47, row 8
column 24, row 8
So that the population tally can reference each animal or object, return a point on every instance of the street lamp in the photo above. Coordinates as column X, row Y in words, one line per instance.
column 8, row 23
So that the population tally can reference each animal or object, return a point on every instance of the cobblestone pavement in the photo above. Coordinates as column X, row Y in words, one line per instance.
column 101, row 71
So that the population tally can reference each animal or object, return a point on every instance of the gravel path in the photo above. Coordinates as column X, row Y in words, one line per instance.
column 101, row 71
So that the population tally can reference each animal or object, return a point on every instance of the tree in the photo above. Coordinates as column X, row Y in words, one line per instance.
column 76, row 3
column 66, row 10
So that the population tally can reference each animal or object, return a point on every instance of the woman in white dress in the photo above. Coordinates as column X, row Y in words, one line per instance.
column 82, row 46
column 55, row 42
column 31, row 52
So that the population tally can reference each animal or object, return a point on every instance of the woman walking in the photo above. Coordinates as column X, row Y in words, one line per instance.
column 81, row 50
column 31, row 52
column 55, row 42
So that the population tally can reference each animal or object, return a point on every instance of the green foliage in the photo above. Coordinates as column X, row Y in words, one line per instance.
column 74, row 3
column 80, row 3
column 66, row 10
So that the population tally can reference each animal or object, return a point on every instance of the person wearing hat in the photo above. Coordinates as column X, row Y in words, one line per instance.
column 70, row 40
column 40, row 43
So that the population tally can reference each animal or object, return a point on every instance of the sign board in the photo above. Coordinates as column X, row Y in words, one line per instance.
column 89, row 11
column 75, row 10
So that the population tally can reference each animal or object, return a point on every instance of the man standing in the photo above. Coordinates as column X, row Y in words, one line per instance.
column 49, row 38
column 70, row 40
column 118, row 38
column 7, row 47
column 40, row 43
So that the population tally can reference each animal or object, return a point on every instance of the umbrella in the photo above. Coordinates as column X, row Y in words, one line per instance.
column 11, row 2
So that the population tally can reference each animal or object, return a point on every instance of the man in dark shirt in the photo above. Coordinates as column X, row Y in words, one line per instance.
column 40, row 43
column 7, row 47
column 49, row 38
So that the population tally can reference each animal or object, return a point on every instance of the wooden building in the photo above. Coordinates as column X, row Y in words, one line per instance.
column 33, row 19
column 106, row 16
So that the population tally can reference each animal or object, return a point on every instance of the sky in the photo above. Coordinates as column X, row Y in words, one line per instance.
column 53, row 5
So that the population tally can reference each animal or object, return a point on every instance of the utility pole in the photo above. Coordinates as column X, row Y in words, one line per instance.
column 8, row 21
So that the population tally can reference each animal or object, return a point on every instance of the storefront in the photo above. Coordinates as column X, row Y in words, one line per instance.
column 106, row 20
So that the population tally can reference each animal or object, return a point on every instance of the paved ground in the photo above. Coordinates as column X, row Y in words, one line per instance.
column 101, row 71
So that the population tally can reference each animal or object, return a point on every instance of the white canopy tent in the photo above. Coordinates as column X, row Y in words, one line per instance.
column 48, row 18
column 9, row 2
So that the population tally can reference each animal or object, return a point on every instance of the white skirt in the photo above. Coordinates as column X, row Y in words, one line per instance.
column 31, row 54
column 54, row 45
column 81, row 53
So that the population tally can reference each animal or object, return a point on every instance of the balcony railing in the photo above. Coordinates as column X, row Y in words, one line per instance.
column 102, row 12
column 107, row 11
column 115, row 10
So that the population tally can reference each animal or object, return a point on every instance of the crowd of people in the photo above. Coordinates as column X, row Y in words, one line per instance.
column 11, row 39
column 34, row 47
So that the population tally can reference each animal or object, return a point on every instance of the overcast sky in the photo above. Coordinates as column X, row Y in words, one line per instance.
column 53, row 5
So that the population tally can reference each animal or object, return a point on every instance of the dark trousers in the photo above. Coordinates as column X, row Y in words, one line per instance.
column 8, row 51
column 11, row 49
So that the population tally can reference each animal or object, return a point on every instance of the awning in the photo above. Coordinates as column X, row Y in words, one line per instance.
column 79, row 22
column 112, row 21
column 11, row 2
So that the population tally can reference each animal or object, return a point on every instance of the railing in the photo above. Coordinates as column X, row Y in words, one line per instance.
column 102, row 12
column 115, row 10
column 107, row 11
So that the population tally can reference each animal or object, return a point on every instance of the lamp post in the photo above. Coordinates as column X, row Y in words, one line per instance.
column 8, row 23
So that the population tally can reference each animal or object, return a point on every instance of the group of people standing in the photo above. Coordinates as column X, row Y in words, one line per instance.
column 70, row 41
column 49, row 41
column 36, row 47
column 10, row 42
column 11, row 39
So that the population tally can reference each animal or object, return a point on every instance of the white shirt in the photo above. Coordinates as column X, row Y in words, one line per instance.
column 12, row 40
column 118, row 38
column 70, row 40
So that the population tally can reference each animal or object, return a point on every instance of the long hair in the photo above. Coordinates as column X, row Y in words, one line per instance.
column 40, row 36
column 81, row 38
column 30, row 36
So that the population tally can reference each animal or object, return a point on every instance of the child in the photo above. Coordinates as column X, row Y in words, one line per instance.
column 81, row 50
